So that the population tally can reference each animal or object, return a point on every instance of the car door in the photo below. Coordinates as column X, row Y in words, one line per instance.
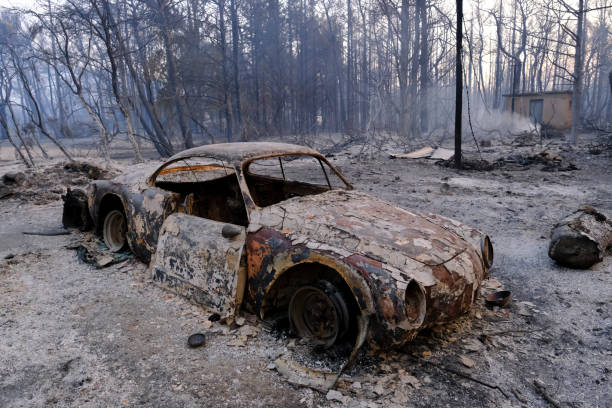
column 201, row 259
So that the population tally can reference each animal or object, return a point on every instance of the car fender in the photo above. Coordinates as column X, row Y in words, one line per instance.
column 272, row 253
column 145, row 213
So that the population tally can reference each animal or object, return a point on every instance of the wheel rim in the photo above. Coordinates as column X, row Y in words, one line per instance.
column 114, row 230
column 318, row 312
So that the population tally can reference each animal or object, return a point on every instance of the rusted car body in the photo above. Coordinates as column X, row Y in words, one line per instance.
column 346, row 264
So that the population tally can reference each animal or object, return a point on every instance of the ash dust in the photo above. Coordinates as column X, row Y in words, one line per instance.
column 73, row 335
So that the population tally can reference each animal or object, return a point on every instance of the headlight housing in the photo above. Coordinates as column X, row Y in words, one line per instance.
column 486, row 249
column 414, row 303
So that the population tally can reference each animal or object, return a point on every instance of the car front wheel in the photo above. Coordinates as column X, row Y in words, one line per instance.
column 114, row 230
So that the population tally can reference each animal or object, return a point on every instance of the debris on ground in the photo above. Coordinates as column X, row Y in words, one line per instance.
column 466, row 361
column 552, row 161
column 536, row 136
column 93, row 251
column 541, row 389
column 46, row 184
column 499, row 298
column 239, row 341
column 5, row 191
column 426, row 152
column 442, row 154
column 581, row 239
column 92, row 171
column 9, row 181
column 333, row 395
column 526, row 138
column 13, row 178
column 471, row 164
column 417, row 154
column 196, row 340
column 527, row 309
column 492, row 283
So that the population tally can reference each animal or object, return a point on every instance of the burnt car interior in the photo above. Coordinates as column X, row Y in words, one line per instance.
column 277, row 179
column 209, row 191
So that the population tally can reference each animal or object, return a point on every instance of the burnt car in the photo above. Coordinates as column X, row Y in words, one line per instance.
column 276, row 228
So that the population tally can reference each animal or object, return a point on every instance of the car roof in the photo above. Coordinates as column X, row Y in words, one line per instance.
column 239, row 152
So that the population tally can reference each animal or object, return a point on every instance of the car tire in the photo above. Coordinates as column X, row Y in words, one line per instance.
column 114, row 230
column 318, row 312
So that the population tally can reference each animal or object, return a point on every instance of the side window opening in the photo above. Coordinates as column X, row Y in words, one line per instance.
column 208, row 189
column 276, row 179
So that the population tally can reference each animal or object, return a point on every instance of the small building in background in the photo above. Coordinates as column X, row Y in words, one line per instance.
column 551, row 109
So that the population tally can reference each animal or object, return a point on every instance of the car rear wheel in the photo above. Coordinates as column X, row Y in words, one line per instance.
column 114, row 230
column 318, row 312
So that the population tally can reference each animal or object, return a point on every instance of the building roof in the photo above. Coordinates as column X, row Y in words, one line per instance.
column 239, row 152
column 518, row 95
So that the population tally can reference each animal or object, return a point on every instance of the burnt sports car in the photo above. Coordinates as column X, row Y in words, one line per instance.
column 276, row 228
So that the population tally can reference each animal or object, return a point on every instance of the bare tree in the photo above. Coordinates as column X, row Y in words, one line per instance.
column 182, row 72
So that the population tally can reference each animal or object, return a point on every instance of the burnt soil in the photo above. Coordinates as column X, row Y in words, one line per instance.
column 73, row 335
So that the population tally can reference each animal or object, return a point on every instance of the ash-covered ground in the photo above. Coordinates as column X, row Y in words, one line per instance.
column 73, row 335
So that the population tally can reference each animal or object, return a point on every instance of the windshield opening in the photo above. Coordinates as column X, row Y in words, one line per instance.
column 207, row 188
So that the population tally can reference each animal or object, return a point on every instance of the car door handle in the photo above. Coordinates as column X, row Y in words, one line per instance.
column 230, row 231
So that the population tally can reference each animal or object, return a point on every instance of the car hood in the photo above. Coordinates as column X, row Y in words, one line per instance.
column 356, row 222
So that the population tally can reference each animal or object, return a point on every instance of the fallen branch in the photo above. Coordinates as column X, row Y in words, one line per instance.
column 518, row 395
column 541, row 389
column 464, row 375
column 51, row 233
column 498, row 333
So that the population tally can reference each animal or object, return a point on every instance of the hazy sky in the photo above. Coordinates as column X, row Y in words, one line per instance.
column 32, row 3
column 17, row 3
column 27, row 4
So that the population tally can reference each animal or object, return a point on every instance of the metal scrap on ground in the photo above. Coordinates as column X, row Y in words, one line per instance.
column 426, row 152
column 92, row 251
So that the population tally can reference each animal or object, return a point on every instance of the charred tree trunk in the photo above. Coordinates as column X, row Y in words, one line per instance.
column 226, row 92
column 173, row 83
column 350, row 91
column 498, row 72
column 107, row 21
column 581, row 239
column 236, row 72
column 578, row 74
column 414, row 73
column 424, row 65
column 7, row 132
column 403, row 68
column 36, row 116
